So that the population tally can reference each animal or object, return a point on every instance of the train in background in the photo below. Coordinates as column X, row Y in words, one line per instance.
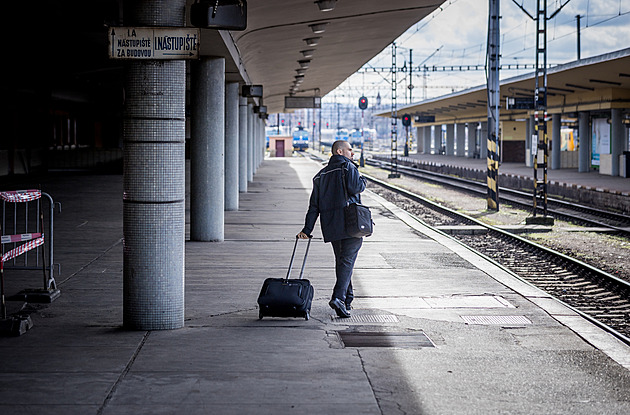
column 356, row 137
column 330, row 135
column 300, row 139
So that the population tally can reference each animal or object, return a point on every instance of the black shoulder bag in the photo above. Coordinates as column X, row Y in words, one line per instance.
column 358, row 218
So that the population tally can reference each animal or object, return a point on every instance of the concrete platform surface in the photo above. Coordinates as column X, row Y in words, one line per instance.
column 456, row 334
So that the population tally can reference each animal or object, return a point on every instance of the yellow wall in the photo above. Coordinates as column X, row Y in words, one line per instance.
column 513, row 130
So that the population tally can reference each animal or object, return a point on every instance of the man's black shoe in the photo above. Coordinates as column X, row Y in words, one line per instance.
column 339, row 307
column 348, row 306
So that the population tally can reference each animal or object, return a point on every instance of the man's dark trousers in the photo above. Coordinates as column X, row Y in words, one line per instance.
column 346, row 251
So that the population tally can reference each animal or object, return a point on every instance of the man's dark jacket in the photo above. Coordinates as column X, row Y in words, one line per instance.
column 328, row 199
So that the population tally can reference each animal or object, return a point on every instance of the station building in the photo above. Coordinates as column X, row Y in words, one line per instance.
column 588, row 118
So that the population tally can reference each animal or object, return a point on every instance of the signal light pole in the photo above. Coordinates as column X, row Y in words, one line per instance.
column 494, row 95
column 540, row 140
column 394, row 120
column 363, row 103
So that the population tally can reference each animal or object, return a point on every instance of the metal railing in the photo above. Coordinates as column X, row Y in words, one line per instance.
column 27, row 238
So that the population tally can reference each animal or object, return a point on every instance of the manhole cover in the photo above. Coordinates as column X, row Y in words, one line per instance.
column 367, row 318
column 488, row 320
column 383, row 339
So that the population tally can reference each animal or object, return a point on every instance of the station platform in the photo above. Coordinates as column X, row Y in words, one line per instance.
column 567, row 177
column 588, row 188
column 436, row 329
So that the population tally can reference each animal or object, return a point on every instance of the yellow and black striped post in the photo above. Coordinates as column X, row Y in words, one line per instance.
column 494, row 105
column 493, row 173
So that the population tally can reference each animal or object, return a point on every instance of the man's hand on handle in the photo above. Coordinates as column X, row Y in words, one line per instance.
column 302, row 235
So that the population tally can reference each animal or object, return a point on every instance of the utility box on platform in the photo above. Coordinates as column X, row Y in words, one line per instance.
column 280, row 146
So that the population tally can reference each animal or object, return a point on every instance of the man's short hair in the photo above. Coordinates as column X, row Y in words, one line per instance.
column 337, row 145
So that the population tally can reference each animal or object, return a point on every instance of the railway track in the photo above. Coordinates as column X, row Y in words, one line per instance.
column 597, row 295
column 567, row 211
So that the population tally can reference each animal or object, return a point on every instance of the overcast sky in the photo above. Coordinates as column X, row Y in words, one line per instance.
column 459, row 30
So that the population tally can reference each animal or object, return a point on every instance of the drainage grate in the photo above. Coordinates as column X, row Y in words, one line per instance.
column 366, row 318
column 488, row 320
column 381, row 339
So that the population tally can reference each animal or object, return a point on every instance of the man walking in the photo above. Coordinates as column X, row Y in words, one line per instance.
column 328, row 201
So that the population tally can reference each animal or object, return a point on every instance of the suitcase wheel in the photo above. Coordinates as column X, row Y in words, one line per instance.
column 306, row 316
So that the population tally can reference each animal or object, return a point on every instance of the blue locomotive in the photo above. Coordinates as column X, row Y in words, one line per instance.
column 300, row 139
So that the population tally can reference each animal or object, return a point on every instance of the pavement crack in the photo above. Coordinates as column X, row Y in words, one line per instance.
column 112, row 390
column 60, row 283
column 378, row 403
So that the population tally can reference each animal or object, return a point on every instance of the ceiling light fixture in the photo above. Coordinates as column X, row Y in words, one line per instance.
column 300, row 71
column 304, row 63
column 326, row 5
column 312, row 41
column 318, row 27
column 308, row 53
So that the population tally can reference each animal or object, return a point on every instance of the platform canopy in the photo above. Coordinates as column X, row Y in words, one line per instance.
column 594, row 84
column 273, row 46
column 64, row 45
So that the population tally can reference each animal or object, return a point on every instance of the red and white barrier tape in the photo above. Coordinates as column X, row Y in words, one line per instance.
column 22, row 249
column 19, row 238
column 17, row 196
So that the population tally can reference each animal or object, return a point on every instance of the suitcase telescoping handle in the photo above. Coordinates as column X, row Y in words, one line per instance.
column 308, row 245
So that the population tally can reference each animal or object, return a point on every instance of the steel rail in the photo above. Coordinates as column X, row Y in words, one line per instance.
column 525, row 201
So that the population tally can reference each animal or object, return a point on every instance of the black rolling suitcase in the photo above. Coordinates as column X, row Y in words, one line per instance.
column 284, row 297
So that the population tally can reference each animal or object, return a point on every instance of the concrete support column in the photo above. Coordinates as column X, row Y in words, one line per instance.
column 154, row 136
column 263, row 140
column 472, row 139
column 231, row 146
column 260, row 141
column 242, row 144
column 483, row 140
column 584, row 141
column 255, row 144
column 428, row 138
column 420, row 138
column 617, row 138
column 450, row 139
column 250, row 142
column 460, row 137
column 556, row 141
column 207, row 148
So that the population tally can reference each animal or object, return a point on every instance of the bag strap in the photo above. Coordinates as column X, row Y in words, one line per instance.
column 345, row 189
column 343, row 182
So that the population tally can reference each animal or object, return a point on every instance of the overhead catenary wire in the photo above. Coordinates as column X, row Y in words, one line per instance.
column 517, row 43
